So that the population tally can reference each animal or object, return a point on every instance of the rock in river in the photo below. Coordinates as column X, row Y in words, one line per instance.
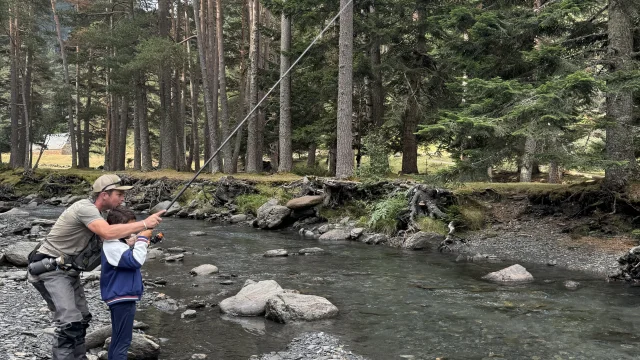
column 251, row 299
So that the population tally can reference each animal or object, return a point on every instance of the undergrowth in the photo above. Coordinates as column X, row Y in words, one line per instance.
column 384, row 214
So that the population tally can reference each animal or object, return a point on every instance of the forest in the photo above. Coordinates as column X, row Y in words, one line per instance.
column 496, row 85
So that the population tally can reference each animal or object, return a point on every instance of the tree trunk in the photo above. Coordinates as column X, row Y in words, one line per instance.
column 286, row 154
column 14, row 161
column 555, row 173
column 213, row 71
column 168, row 128
column 252, row 165
column 227, row 154
column 137, row 114
column 344, row 150
column 122, row 133
column 81, row 163
column 115, row 131
column 411, row 118
column 208, row 98
column 194, row 153
column 67, row 82
column 87, row 112
column 145, row 146
column 26, row 100
column 180, row 109
column 332, row 159
column 619, row 138
column 526, row 166
column 311, row 156
column 244, row 85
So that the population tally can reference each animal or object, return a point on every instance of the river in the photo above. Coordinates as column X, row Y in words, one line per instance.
column 393, row 303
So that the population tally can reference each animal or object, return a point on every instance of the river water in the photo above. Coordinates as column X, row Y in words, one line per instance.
column 392, row 302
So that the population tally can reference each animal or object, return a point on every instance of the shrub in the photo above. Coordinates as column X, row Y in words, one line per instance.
column 384, row 214
column 472, row 217
column 376, row 148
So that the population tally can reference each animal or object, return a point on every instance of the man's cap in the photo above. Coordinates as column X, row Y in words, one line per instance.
column 109, row 182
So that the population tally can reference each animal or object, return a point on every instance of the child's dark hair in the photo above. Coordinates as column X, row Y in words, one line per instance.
column 120, row 215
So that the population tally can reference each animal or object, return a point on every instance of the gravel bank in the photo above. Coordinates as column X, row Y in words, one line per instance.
column 542, row 242
column 312, row 346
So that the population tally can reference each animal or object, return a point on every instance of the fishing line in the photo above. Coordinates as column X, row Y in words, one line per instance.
column 260, row 103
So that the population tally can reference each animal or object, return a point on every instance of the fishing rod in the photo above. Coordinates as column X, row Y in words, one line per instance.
column 259, row 103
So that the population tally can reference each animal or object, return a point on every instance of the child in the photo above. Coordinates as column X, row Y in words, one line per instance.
column 121, row 281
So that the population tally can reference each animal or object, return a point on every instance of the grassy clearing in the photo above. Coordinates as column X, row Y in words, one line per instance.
column 428, row 224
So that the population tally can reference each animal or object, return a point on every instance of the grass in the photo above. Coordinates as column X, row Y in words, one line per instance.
column 428, row 224
column 249, row 203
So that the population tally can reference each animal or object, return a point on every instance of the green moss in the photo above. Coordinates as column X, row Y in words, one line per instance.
column 276, row 192
column 249, row 203
column 428, row 224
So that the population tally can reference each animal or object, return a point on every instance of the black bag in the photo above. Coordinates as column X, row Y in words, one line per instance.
column 89, row 258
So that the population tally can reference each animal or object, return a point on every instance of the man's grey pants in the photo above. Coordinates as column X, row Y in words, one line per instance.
column 65, row 297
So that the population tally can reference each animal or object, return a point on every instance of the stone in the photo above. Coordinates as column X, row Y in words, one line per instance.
column 311, row 251
column 423, row 240
column 552, row 263
column 189, row 314
column 336, row 234
column 143, row 347
column 18, row 253
column 197, row 233
column 288, row 307
column 168, row 305
column 276, row 253
column 91, row 275
column 163, row 206
column 196, row 304
column 43, row 222
column 173, row 258
column 308, row 234
column 513, row 274
column 251, row 299
column 234, row 219
column 35, row 231
column 154, row 254
column 15, row 212
column 204, row 269
column 374, row 239
column 324, row 228
column 271, row 215
column 176, row 250
column 356, row 232
column 571, row 285
column 304, row 202
column 75, row 199
column 198, row 356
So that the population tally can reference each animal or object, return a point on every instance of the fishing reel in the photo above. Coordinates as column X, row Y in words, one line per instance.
column 156, row 238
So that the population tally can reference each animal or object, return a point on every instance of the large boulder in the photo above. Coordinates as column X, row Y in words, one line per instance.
column 204, row 269
column 271, row 215
column 374, row 239
column 18, row 253
column 276, row 253
column 229, row 189
column 163, row 206
column 514, row 273
column 336, row 234
column 304, row 202
column 422, row 240
column 143, row 347
column 97, row 337
column 15, row 212
column 251, row 299
column 287, row 307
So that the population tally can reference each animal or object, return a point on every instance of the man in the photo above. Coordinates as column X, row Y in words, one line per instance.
column 71, row 233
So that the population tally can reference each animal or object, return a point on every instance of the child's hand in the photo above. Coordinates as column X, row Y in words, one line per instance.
column 131, row 240
column 146, row 233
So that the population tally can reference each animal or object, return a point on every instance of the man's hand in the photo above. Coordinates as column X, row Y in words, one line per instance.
column 154, row 220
